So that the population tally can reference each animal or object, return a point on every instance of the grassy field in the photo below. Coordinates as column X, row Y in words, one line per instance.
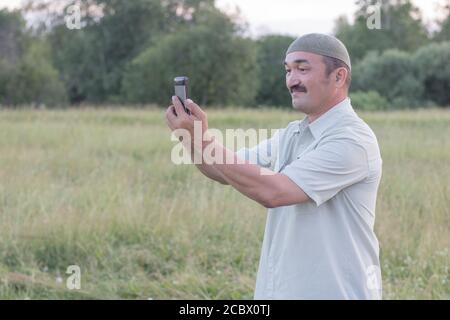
column 96, row 188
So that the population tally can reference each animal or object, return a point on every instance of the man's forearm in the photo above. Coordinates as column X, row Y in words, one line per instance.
column 208, row 170
column 244, row 177
column 211, row 173
column 267, row 188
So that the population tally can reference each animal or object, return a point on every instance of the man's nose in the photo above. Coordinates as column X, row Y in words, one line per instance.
column 292, row 81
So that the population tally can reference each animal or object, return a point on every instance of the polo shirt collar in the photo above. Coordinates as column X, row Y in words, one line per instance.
column 330, row 117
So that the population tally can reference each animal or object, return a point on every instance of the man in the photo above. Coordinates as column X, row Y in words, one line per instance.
column 319, row 241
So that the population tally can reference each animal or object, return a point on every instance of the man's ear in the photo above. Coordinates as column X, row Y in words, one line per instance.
column 341, row 76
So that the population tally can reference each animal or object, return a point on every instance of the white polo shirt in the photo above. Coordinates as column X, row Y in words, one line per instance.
column 325, row 248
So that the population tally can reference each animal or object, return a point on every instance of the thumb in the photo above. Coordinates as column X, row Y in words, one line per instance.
column 195, row 109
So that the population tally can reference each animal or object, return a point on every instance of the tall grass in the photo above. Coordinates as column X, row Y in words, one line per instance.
column 96, row 188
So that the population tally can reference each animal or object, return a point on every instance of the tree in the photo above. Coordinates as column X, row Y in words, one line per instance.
column 12, row 41
column 444, row 25
column 401, row 28
column 433, row 66
column 271, row 75
column 220, row 64
column 391, row 74
column 113, row 33
column 12, row 35
column 26, row 72
column 36, row 80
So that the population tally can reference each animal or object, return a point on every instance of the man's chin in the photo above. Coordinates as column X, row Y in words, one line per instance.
column 299, row 105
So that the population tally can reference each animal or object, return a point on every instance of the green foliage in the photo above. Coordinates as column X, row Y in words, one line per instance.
column 401, row 28
column 129, row 51
column 272, row 88
column 35, row 79
column 368, row 101
column 443, row 34
column 13, row 37
column 407, row 80
column 392, row 75
column 93, row 59
column 433, row 64
column 6, row 71
column 221, row 66
column 26, row 72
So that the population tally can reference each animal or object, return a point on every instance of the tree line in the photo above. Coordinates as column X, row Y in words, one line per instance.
column 128, row 52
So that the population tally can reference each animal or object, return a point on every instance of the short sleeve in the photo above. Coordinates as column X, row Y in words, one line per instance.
column 264, row 154
column 334, row 165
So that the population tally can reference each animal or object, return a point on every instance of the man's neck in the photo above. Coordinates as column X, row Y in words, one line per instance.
column 313, row 117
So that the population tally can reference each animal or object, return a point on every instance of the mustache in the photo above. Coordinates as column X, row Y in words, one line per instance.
column 298, row 88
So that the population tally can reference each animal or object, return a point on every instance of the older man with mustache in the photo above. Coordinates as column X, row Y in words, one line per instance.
column 319, row 240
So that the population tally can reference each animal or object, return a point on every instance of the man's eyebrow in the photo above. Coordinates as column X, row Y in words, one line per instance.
column 298, row 61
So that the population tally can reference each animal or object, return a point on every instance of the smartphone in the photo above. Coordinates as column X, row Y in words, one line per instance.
column 181, row 90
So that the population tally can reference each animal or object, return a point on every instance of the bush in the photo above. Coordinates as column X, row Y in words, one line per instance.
column 221, row 67
column 35, row 80
column 368, row 101
column 433, row 63
column 392, row 75
column 6, row 73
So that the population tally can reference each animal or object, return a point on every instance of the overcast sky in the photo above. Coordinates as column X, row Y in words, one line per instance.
column 294, row 17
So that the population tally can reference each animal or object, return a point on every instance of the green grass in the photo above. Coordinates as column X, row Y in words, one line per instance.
column 96, row 188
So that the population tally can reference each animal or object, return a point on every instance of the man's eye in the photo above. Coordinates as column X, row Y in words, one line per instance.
column 287, row 71
column 302, row 69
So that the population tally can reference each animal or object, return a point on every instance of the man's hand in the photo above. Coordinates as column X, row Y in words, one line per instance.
column 177, row 118
column 268, row 190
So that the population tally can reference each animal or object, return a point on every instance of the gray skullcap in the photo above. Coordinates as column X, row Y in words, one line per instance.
column 322, row 44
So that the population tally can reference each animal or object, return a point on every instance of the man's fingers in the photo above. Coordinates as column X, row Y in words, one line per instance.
column 178, row 107
column 195, row 109
column 171, row 117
